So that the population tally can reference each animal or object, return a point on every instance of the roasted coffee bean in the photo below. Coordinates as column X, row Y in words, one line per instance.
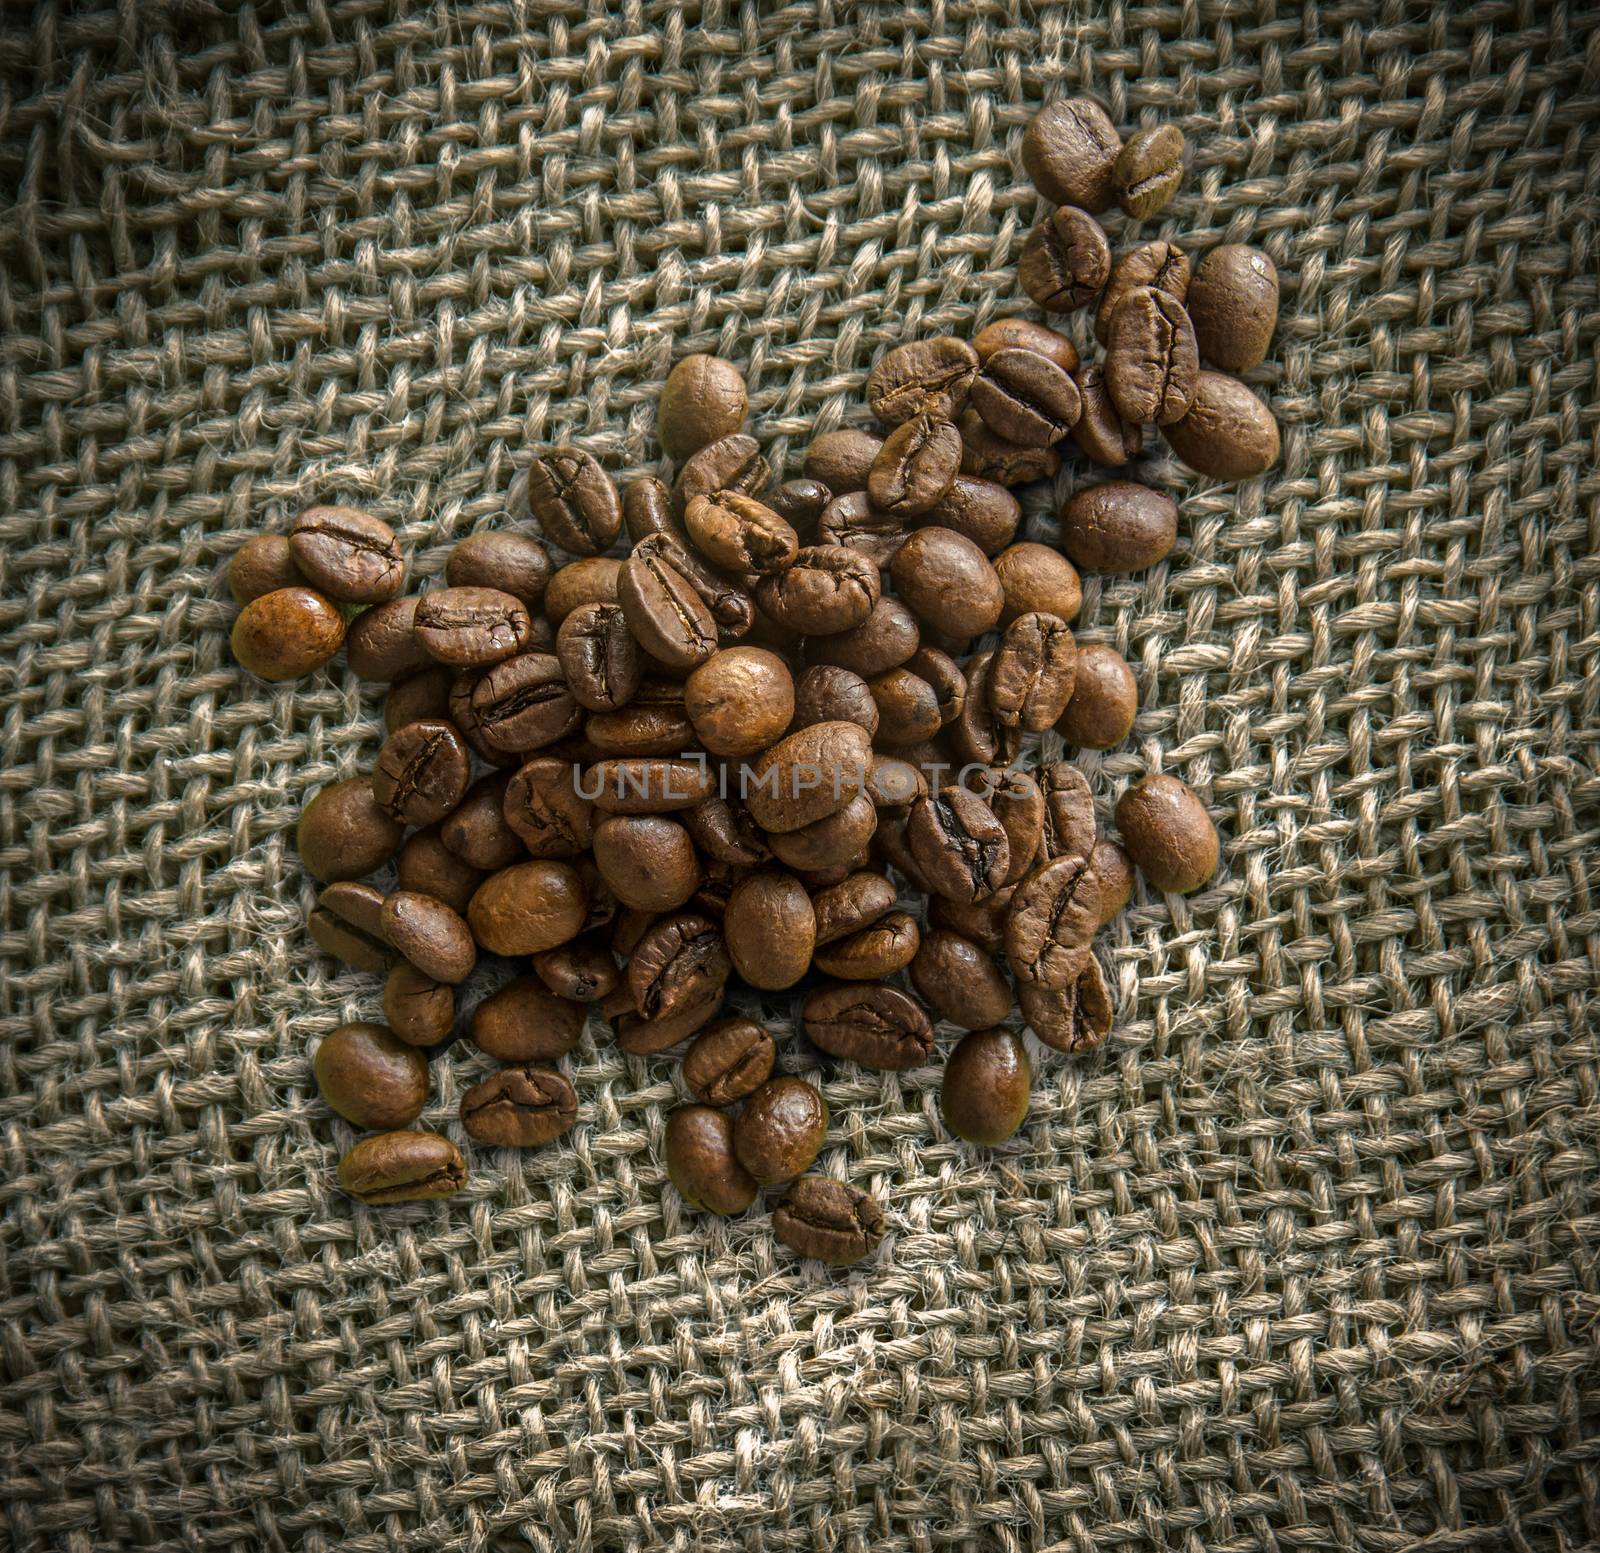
column 478, row 832
column 830, row 841
column 526, row 1022
column 869, row 1023
column 1160, row 265
column 1052, row 919
column 348, row 924
column 1070, row 151
column 370, row 1078
column 987, row 456
column 947, row 582
column 740, row 533
column 421, row 773
column 1018, row 803
column 977, row 735
column 1233, row 305
column 1168, row 833
column 648, row 860
column 854, row 524
column 508, row 563
column 728, row 1060
column 528, row 907
column 915, row 467
column 1113, row 875
column 828, row 1220
column 799, row 503
column 781, row 1129
column 829, row 588
column 544, row 809
column 808, row 775
column 717, row 881
column 740, row 700
column 1148, row 170
column 874, row 952
column 1228, row 433
column 676, row 963
column 286, row 633
column 987, row 1080
column 646, row 784
column 1068, row 829
column 348, row 554
column 383, row 645
column 1033, row 671
column 647, row 509
column 1025, row 398
column 856, row 902
column 979, row 510
column 1152, row 364
column 572, row 500
column 1101, row 433
column 592, row 580
column 668, row 618
column 730, row 464
column 1118, row 526
column 770, row 929
column 959, row 845
column 922, row 377
column 894, row 783
column 703, row 398
column 984, row 922
column 825, row 693
column 1105, row 700
column 908, row 708
column 430, row 935
column 344, row 834
column 579, row 971
column 396, row 1167
column 420, row 1010
column 420, row 697
column 1075, row 1020
column 960, row 981
column 1024, row 334
column 701, row 1161
column 653, row 723
column 262, row 564
column 524, row 704
column 599, row 657
column 1065, row 261
column 471, row 627
column 519, row 1108
column 841, row 460
column 943, row 675
column 730, row 605
column 891, row 850
column 723, row 829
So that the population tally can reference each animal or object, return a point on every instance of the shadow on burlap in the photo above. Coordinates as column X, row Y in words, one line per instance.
column 1305, row 1259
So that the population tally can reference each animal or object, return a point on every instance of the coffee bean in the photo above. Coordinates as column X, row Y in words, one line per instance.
column 979, row 510
column 730, row 464
column 1070, row 151
column 526, row 1022
column 478, row 833
column 984, row 922
column 421, row 773
column 1075, row 1020
column 286, row 633
column 770, row 929
column 1025, row 398
column 944, row 675
column 890, row 849
column 420, row 1010
column 508, row 563
column 543, row 808
column 723, row 829
column 799, row 503
column 396, row 1167
column 648, row 860
column 420, row 697
column 825, row 693
column 780, row 1131
column 523, row 703
column 262, row 564
column 1152, row 365
column 344, row 834
column 646, row 784
column 646, row 509
column 1065, row 261
column 1148, row 170
column 947, row 582
column 808, row 775
column 599, row 657
column 679, row 958
column 703, row 398
column 641, row 1037
column 915, row 467
column 1105, row 700
column 1052, row 919
column 987, row 456
column 1160, row 265
column 370, row 1078
column 668, row 618
column 1113, row 874
column 730, row 605
column 894, row 783
column 701, row 1162
column 427, row 865
column 430, row 935
column 1118, row 526
column 740, row 700
column 828, row 1220
column 960, row 847
column 1033, row 671
column 592, row 580
column 527, row 908
column 1228, row 433
column 348, row 554
column 830, row 841
column 348, row 924
column 1101, row 433
column 1068, row 829
column 870, row 1023
column 582, row 972
column 853, row 523
column 922, row 377
column 519, row 1108
column 571, row 498
column 471, row 627
column 908, row 709
column 1233, row 305
column 1026, row 335
column 740, row 534
column 856, row 902
column 655, row 722
column 985, row 1091
column 875, row 952
column 977, row 735
column 383, row 645
column 841, row 460
column 959, row 981
column 728, row 1060
column 1168, row 833
column 829, row 588
column 1018, row 803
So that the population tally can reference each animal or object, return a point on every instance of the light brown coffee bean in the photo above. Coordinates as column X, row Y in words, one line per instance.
column 1160, row 265
column 740, row 534
column 808, row 775
column 1113, row 875
column 1018, row 803
column 344, row 834
column 1025, row 334
column 1070, row 151
column 1075, row 1020
column 856, row 902
column 917, row 464
column 1152, row 364
column 1025, row 398
column 870, row 1023
column 471, row 627
column 842, row 459
column 1233, row 305
column 701, row 1161
column 728, row 1060
column 1101, row 432
column 263, row 564
column 829, row 588
column 1148, row 170
column 979, row 510
column 668, row 618
column 286, row 634
column 770, row 929
column 828, row 1220
column 987, row 1082
column 648, row 860
column 984, row 921
column 1068, row 828
column 583, row 972
column 382, row 644
column 730, row 464
column 519, row 1108
column 1105, row 700
column 1065, row 261
column 527, row 908
column 397, row 1167
column 509, row 563
column 988, row 456
column 960, row 981
column 1228, row 432
column 1034, row 578
column 922, row 377
column 477, row 831
column 948, row 582
column 348, row 554
column 1051, row 923
column 781, row 1130
column 740, row 700
column 372, row 1079
column 831, row 841
column 703, row 398
column 1032, row 673
column 1118, row 526
column 524, row 1021
column 908, row 708
column 729, row 604
column 348, row 924
column 655, row 722
column 430, row 935
column 873, row 953
column 723, row 829
column 592, row 580
column 420, row 1010
column 1168, row 833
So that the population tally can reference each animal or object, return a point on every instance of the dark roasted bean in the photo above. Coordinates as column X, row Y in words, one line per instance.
column 348, row 924
column 1152, row 365
column 960, row 847
column 1233, row 305
column 430, row 935
column 421, row 773
column 509, row 563
column 526, row 1022
column 732, row 463
column 348, row 554
column 420, row 1010
column 1101, row 433
column 1168, row 833
column 599, row 657
column 1065, row 261
column 875, row 952
column 915, row 467
column 1070, row 151
column 728, row 1060
column 1025, row 398
column 1075, row 1020
column 701, row 1161
column 922, row 377
column 524, row 704
column 396, row 1167
column 572, row 499
column 1105, row 700
column 263, row 564
column 1161, row 265
column 477, row 831
column 780, row 1130
column 1118, row 526
column 667, row 616
column 519, row 1108
column 471, row 627
column 1052, row 919
column 828, row 1220
column 371, row 1078
column 960, row 981
column 344, row 833
column 829, row 588
column 853, row 523
column 842, row 459
column 703, row 398
column 869, row 1023
column 1032, row 672
column 987, row 1079
column 1228, row 432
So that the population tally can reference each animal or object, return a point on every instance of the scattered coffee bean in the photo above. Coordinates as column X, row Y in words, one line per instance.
column 728, row 1060
column 421, row 773
column 770, row 929
column 1228, row 432
column 1168, row 833
column 583, row 972
column 648, row 860
column 733, row 464
column 723, row 829
column 922, row 377
column 348, row 554
column 987, row 456
column 960, row 847
column 478, row 832
column 703, row 398
column 572, row 499
column 344, row 834
column 856, row 902
column 527, row 908
column 1160, row 265
column 841, row 460
column 678, row 960
column 599, row 657
column 908, row 708
column 1024, row 334
column 287, row 633
column 730, row 606
column 396, row 1167
column 592, row 580
column 740, row 534
column 1018, row 803
column 799, row 503
column 1035, row 578
column 1152, row 363
column 984, row 922
column 808, row 775
column 526, row 1022
column 471, row 627
column 348, row 924
column 870, row 1023
column 948, row 582
column 524, row 703
column 430, row 935
column 646, row 784
column 987, row 1082
column 519, row 1108
column 1032, row 673
column 668, row 618
column 979, row 510
column 781, row 1130
column 828, row 1220
column 1105, row 700
column 917, row 464
column 1101, row 432
column 1075, row 1020
column 1113, row 875
column 873, row 953
column 831, row 841
column 1068, row 828
column 977, row 735
column 1070, row 151
column 647, row 509
column 1148, row 170
column 508, row 563
column 960, row 981
column 643, row 1037
column 263, row 564
column 655, row 722
column 1233, row 304
column 1118, row 526
column 1065, row 261
column 370, row 1078
column 828, row 589
column 702, row 1164
column 420, row 1010
column 383, row 645
column 1052, row 919
column 740, row 700
column 1026, row 398
column 854, row 524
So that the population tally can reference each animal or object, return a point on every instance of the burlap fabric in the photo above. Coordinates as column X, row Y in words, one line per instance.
column 1306, row 1259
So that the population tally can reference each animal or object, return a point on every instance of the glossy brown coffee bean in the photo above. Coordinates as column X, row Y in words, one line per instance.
column 1026, row 335
column 667, row 617
column 399, row 1167
column 648, row 860
column 987, row 456
column 740, row 700
column 830, row 841
column 544, row 809
column 959, row 981
column 430, row 935
column 799, row 503
column 829, row 1221
column 344, row 834
column 1070, row 151
column 733, row 463
column 856, row 902
column 1052, row 920
column 287, row 633
column 922, row 377
column 263, row 564
column 471, row 627
column 984, row 922
column 1168, row 833
column 869, row 1023
column 1065, row 261
column 908, row 708
column 724, row 830
column 825, row 693
column 647, row 508
column 770, row 929
column 874, row 952
column 947, row 582
column 1068, row 828
column 526, row 1022
column 477, row 831
column 701, row 1161
column 893, row 782
column 987, row 1082
column 642, row 1037
column 1148, row 170
column 420, row 1010
column 1152, row 365
column 729, row 605
column 841, row 460
column 960, row 847
column 851, row 522
column 979, row 510
column 1101, row 433
column 808, row 775
column 646, row 784
column 655, row 722
column 883, row 641
column 915, row 467
column 1113, row 876
column 1105, row 700
column 703, row 398
column 420, row 697
column 977, row 735
column 421, row 773
column 1033, row 672
column 571, row 498
column 592, row 580
column 382, row 644
column 509, row 563
column 781, row 1130
column 523, row 703
column 519, row 1108
column 527, row 908
column 1018, row 803
column 680, row 958
column 371, row 1078
column 1233, row 305
column 740, row 534
column 728, row 1060
column 348, row 554
column 1162, row 266
column 1228, row 433
column 1075, row 1020
column 599, row 657
column 348, row 924
column 943, row 674
column 1118, row 526
column 829, row 588
column 1025, row 398
column 582, row 971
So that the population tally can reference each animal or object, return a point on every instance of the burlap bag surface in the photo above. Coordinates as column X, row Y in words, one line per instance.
column 1305, row 1259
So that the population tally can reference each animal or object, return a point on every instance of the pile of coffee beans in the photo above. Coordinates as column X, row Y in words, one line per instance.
column 745, row 724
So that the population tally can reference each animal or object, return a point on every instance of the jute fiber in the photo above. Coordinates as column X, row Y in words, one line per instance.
column 1305, row 1259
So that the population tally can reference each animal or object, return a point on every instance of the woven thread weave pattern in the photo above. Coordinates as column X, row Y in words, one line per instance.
column 1305, row 1259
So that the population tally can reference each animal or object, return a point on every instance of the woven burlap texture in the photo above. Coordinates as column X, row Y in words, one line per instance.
column 1305, row 1259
